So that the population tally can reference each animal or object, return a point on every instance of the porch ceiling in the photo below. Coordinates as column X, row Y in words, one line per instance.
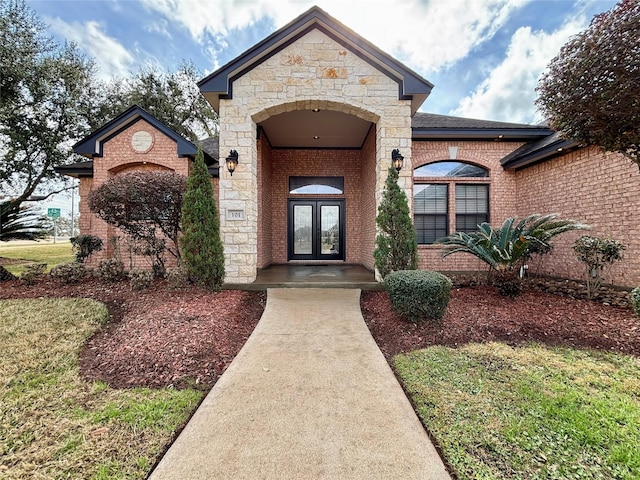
column 299, row 128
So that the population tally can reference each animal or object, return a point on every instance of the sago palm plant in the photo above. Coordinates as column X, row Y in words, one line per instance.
column 507, row 248
column 20, row 223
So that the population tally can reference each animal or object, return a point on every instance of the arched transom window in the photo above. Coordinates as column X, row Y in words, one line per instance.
column 449, row 196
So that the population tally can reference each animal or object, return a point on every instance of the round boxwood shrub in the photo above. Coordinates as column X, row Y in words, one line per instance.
column 140, row 279
column 635, row 300
column 69, row 273
column 418, row 295
column 110, row 270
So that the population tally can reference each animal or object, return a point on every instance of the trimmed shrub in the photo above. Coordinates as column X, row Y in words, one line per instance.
column 85, row 246
column 597, row 254
column 418, row 295
column 33, row 272
column 140, row 279
column 202, row 250
column 177, row 277
column 110, row 270
column 396, row 246
column 69, row 273
column 635, row 300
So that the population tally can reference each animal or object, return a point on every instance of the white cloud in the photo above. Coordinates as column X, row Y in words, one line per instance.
column 425, row 35
column 160, row 26
column 111, row 57
column 508, row 92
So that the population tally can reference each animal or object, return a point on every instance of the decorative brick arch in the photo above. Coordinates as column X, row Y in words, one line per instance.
column 137, row 166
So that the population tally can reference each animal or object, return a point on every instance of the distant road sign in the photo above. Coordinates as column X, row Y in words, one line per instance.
column 53, row 212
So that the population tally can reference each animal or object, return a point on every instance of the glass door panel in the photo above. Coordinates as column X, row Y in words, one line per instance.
column 330, row 229
column 302, row 229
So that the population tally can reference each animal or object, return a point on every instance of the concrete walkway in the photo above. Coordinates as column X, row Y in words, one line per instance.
column 310, row 396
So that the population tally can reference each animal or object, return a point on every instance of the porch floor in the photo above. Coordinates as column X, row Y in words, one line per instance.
column 311, row 276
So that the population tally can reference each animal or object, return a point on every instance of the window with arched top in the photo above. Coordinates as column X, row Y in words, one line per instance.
column 316, row 185
column 454, row 199
column 451, row 169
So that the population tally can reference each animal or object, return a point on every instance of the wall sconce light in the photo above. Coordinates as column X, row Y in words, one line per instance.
column 397, row 159
column 232, row 161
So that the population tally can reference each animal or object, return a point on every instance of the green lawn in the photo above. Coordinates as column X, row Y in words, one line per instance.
column 36, row 252
column 534, row 412
column 54, row 424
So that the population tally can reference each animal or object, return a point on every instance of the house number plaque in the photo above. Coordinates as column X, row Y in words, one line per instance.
column 235, row 214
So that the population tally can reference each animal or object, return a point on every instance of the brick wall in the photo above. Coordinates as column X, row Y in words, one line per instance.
column 368, row 208
column 265, row 199
column 600, row 189
column 287, row 163
column 502, row 192
column 119, row 157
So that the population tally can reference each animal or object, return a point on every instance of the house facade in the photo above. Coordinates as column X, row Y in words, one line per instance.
column 314, row 113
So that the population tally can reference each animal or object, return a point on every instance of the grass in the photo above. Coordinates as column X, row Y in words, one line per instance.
column 54, row 424
column 36, row 252
column 533, row 412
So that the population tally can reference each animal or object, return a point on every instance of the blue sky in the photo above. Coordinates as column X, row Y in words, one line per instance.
column 484, row 56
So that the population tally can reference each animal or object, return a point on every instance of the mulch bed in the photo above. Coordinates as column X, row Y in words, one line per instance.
column 188, row 337
column 158, row 337
column 480, row 314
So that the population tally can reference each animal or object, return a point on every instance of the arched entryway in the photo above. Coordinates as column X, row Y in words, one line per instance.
column 316, row 173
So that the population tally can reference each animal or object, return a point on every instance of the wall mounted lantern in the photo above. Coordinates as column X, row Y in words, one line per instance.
column 397, row 159
column 232, row 161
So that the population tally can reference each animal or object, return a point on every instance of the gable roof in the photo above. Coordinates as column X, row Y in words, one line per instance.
column 92, row 145
column 219, row 84
column 85, row 169
column 538, row 151
column 429, row 126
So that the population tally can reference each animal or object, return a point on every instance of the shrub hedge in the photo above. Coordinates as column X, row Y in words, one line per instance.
column 418, row 295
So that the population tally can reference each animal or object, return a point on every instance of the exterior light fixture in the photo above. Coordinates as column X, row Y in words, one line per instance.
column 559, row 149
column 316, row 137
column 397, row 159
column 232, row 161
column 315, row 110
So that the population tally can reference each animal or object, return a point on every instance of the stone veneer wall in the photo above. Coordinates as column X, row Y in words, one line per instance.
column 314, row 71
column 502, row 192
column 600, row 189
column 119, row 157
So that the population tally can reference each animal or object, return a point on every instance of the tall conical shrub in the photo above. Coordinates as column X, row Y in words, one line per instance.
column 396, row 246
column 200, row 244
